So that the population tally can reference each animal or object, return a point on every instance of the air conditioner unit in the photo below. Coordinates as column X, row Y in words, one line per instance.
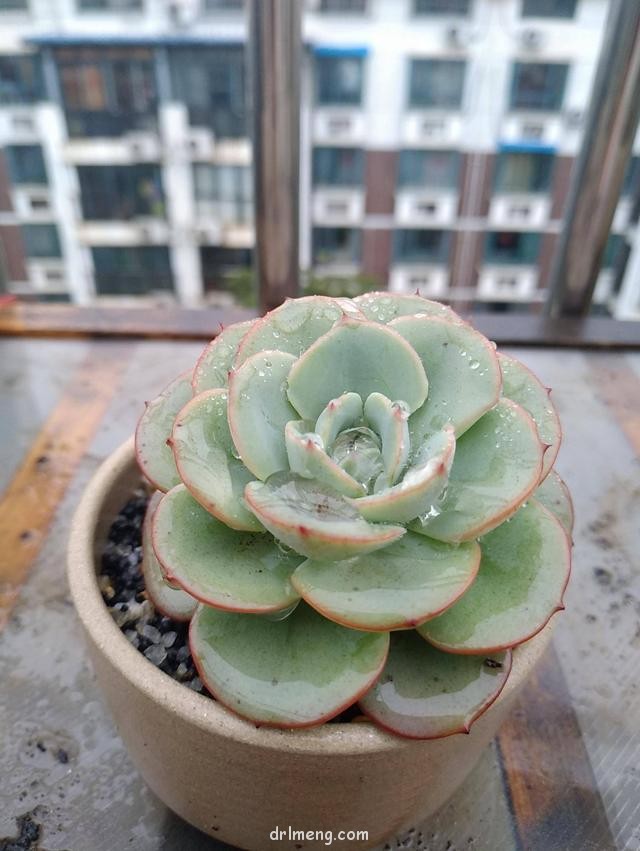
column 183, row 12
column 573, row 118
column 456, row 36
column 210, row 235
column 531, row 39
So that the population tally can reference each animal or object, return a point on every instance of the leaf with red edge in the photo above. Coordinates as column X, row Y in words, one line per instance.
column 424, row 693
column 212, row 369
column 169, row 600
column 523, row 574
column 236, row 571
column 521, row 385
column 154, row 455
column 496, row 467
column 397, row 587
column 296, row 672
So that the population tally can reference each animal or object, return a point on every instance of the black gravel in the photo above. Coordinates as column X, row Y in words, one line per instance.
column 161, row 639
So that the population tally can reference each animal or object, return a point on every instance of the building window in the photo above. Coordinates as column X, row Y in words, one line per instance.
column 21, row 79
column 429, row 169
column 524, row 172
column 414, row 245
column 110, row 5
column 548, row 8
column 436, row 83
column 349, row 7
column 512, row 248
column 108, row 91
column 224, row 191
column 121, row 192
column 338, row 166
column 220, row 265
column 132, row 270
column 339, row 80
column 14, row 6
column 336, row 246
column 223, row 5
column 538, row 85
column 26, row 164
column 441, row 7
column 614, row 251
column 41, row 241
column 211, row 82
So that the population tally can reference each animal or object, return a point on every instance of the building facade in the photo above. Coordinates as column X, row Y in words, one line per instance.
column 438, row 138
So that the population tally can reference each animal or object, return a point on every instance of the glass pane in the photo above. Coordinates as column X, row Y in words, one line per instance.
column 548, row 8
column 512, row 247
column 441, row 7
column 436, row 82
column 21, row 79
column 339, row 79
column 524, row 172
column 432, row 169
column 41, row 240
column 336, row 245
column 538, row 85
column 422, row 246
column 338, row 166
column 121, row 192
column 344, row 6
column 110, row 5
column 26, row 164
column 108, row 91
column 211, row 82
column 135, row 270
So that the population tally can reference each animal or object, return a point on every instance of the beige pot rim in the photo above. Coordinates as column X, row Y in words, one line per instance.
column 194, row 708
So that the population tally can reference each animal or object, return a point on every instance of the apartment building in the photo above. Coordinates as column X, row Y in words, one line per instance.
column 438, row 138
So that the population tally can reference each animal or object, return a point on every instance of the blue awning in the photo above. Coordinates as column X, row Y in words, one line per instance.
column 526, row 147
column 338, row 50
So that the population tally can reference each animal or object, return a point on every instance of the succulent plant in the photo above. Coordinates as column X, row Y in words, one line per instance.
column 359, row 507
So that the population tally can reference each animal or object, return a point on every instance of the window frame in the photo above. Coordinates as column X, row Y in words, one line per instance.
column 519, row 67
column 451, row 105
column 329, row 61
column 552, row 14
column 529, row 261
column 406, row 253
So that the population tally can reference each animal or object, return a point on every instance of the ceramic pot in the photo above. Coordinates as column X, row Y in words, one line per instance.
column 240, row 783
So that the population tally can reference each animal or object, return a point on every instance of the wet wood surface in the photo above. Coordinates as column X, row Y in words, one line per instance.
column 563, row 772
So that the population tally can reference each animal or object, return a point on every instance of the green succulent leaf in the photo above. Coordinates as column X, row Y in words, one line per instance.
column 313, row 520
column 496, row 467
column 421, row 487
column 384, row 307
column 291, row 673
column 341, row 413
column 360, row 357
column 170, row 601
column 236, row 571
column 395, row 588
column 212, row 368
column 389, row 420
column 554, row 495
column 259, row 411
column 463, row 370
column 307, row 458
column 521, row 385
column 154, row 455
column 292, row 327
column 423, row 693
column 205, row 458
column 523, row 573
